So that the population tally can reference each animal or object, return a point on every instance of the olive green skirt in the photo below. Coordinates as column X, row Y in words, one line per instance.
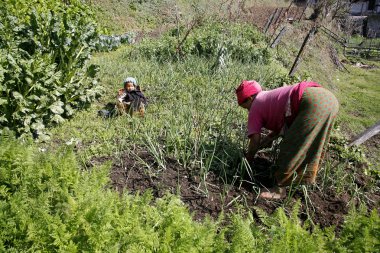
column 304, row 143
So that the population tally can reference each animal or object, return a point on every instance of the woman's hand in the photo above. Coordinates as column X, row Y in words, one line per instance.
column 267, row 141
column 253, row 146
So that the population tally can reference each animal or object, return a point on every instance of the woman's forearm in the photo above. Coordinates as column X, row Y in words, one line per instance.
column 253, row 146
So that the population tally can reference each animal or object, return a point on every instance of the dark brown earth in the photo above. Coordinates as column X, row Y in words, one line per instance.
column 373, row 149
column 137, row 172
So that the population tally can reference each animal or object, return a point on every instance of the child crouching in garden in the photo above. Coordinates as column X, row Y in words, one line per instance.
column 130, row 99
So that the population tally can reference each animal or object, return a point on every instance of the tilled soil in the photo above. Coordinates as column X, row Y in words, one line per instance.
column 138, row 172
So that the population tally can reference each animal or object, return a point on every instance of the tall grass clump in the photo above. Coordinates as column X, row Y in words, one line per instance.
column 45, row 75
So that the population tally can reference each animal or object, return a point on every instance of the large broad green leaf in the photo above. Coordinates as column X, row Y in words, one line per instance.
column 38, row 125
column 2, row 71
column 17, row 95
column 28, row 80
column 34, row 98
column 25, row 110
column 69, row 110
column 4, row 130
column 56, row 93
column 57, row 119
column 45, row 48
column 3, row 119
column 44, row 101
column 3, row 101
column 56, row 108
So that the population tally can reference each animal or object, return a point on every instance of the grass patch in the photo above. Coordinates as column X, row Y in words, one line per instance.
column 358, row 91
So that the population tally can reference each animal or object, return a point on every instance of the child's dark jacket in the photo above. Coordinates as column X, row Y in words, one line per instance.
column 135, row 98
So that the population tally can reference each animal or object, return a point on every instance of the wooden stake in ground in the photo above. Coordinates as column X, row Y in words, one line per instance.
column 278, row 38
column 277, row 18
column 309, row 36
column 304, row 9
column 269, row 22
column 335, row 59
column 367, row 134
column 276, row 23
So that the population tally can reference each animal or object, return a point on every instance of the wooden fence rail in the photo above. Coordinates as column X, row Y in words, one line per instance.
column 367, row 134
column 372, row 50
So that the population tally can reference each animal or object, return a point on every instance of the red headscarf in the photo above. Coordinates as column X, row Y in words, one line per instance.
column 247, row 89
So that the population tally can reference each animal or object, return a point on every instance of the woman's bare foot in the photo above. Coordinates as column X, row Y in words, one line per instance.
column 273, row 193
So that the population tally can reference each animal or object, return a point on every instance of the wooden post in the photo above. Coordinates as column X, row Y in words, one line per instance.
column 287, row 9
column 269, row 22
column 332, row 35
column 275, row 23
column 290, row 5
column 278, row 38
column 309, row 36
column 278, row 17
column 335, row 59
column 367, row 134
column 307, row 4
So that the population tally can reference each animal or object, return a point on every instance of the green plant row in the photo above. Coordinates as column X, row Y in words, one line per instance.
column 47, row 204
column 44, row 71
column 210, row 39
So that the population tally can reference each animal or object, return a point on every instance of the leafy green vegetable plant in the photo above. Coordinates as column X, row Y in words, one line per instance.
column 44, row 71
